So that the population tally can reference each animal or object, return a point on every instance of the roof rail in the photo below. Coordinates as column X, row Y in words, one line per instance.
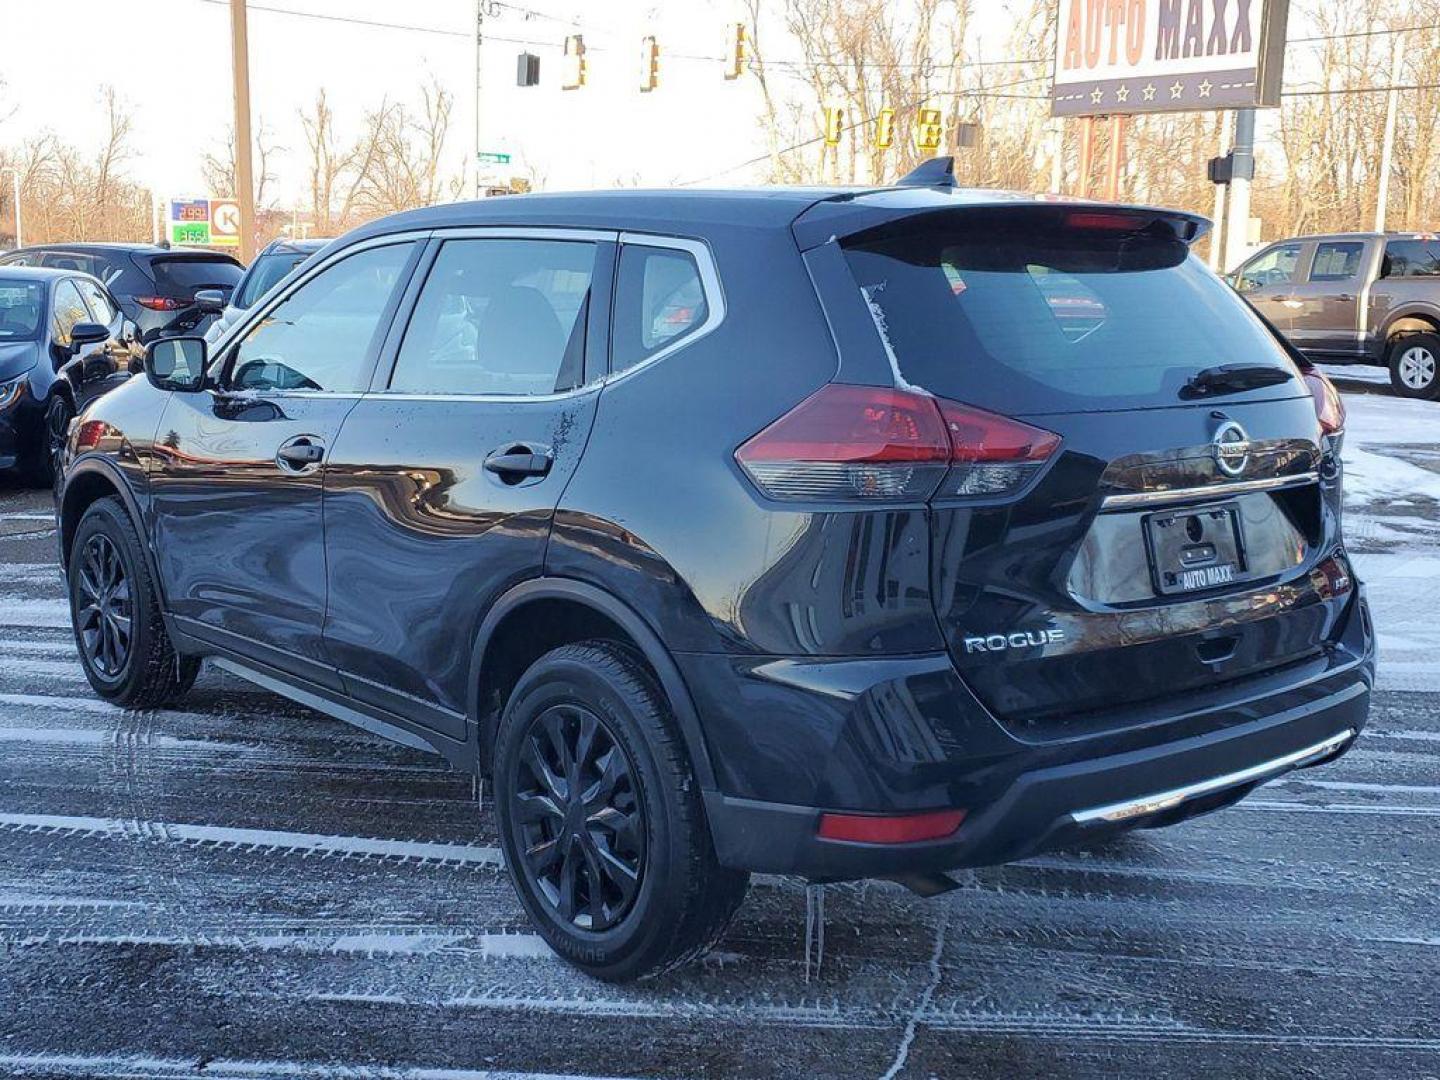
column 937, row 172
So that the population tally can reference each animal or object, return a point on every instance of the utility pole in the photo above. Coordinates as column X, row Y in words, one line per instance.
column 1237, row 218
column 1115, row 163
column 1387, row 146
column 1217, row 234
column 15, row 194
column 244, row 176
column 479, row 38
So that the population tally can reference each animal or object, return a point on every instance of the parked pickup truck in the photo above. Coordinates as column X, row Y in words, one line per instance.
column 1355, row 298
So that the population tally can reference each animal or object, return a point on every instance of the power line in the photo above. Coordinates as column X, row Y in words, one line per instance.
column 1359, row 90
column 1361, row 33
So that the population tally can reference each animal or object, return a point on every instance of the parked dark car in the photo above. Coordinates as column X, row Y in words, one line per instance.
column 155, row 285
column 1355, row 298
column 63, row 342
column 833, row 533
column 270, row 267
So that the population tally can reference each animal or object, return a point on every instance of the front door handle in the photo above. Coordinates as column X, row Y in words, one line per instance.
column 516, row 463
column 301, row 454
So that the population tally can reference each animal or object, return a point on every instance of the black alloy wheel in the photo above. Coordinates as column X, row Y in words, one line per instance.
column 577, row 818
column 103, row 618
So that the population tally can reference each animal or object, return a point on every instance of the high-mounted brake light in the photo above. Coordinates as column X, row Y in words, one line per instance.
column 890, row 828
column 872, row 444
column 1089, row 219
column 161, row 303
column 1329, row 408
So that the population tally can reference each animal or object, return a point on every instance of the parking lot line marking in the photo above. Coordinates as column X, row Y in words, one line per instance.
column 424, row 851
column 138, row 1066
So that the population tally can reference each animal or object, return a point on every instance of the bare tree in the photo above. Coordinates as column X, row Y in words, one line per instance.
column 218, row 170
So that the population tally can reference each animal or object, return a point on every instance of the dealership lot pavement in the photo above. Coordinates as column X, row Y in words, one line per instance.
column 246, row 888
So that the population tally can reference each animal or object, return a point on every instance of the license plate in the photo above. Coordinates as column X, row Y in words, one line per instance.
column 1195, row 550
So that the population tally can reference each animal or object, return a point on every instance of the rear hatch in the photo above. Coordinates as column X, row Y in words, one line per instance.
column 178, row 277
column 1134, row 509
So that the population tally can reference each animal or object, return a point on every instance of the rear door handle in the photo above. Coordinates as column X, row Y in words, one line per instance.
column 518, row 462
column 301, row 454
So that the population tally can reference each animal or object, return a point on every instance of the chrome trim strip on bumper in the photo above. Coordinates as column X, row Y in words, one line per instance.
column 1164, row 800
column 1131, row 499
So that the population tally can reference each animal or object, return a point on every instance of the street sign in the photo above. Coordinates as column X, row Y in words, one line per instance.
column 1119, row 57
column 491, row 157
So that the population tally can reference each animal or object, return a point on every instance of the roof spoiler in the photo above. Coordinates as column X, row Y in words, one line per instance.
column 938, row 172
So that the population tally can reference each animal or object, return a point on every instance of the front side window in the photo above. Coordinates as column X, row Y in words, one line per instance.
column 659, row 300
column 69, row 309
column 100, row 308
column 1336, row 261
column 499, row 317
column 1274, row 267
column 323, row 335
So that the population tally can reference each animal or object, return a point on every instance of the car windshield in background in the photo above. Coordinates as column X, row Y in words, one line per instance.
column 22, row 306
column 265, row 274
column 182, row 277
column 1074, row 322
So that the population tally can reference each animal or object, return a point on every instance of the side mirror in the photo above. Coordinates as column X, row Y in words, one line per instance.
column 177, row 363
column 211, row 301
column 87, row 333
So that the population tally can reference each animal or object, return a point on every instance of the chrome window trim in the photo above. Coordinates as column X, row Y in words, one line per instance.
column 1131, row 499
column 1165, row 800
column 698, row 249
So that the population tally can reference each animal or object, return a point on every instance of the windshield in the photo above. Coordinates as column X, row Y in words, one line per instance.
column 266, row 271
column 1064, row 321
column 22, row 308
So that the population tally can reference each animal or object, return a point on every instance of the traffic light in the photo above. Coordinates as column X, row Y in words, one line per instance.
column 885, row 129
column 834, row 124
column 739, row 42
column 928, row 129
column 527, row 70
column 649, row 64
column 574, row 62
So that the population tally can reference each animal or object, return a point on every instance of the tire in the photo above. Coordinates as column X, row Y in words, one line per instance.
column 108, row 583
column 641, row 813
column 43, row 466
column 1414, row 362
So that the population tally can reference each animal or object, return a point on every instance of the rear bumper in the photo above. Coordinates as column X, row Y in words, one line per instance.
column 1025, row 798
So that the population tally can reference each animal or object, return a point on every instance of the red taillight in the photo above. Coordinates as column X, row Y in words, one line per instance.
column 890, row 828
column 871, row 443
column 88, row 437
column 162, row 303
column 1329, row 409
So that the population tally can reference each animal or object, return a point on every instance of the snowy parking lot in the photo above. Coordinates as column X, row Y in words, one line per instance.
column 248, row 889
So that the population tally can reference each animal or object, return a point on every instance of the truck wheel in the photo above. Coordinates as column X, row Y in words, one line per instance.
column 601, row 820
column 115, row 612
column 1415, row 366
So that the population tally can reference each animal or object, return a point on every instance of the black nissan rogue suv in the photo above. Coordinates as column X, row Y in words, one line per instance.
column 837, row 533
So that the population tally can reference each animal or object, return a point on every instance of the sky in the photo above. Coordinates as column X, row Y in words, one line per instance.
column 169, row 61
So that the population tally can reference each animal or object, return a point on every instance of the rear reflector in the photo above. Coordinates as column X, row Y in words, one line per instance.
column 1329, row 409
column 162, row 303
column 868, row 444
column 890, row 829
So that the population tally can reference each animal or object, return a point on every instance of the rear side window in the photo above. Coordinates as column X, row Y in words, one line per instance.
column 67, row 261
column 323, row 335
column 499, row 317
column 659, row 301
column 1412, row 258
column 1059, row 321
column 182, row 277
column 1336, row 261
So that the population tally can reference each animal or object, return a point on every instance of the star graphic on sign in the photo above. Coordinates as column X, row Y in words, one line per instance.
column 1176, row 89
column 1149, row 92
column 1097, row 95
column 1205, row 88
column 1123, row 94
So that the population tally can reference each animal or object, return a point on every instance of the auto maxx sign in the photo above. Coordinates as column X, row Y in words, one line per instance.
column 1135, row 56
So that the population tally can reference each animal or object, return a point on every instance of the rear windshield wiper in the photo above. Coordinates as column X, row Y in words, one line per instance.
column 1231, row 379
